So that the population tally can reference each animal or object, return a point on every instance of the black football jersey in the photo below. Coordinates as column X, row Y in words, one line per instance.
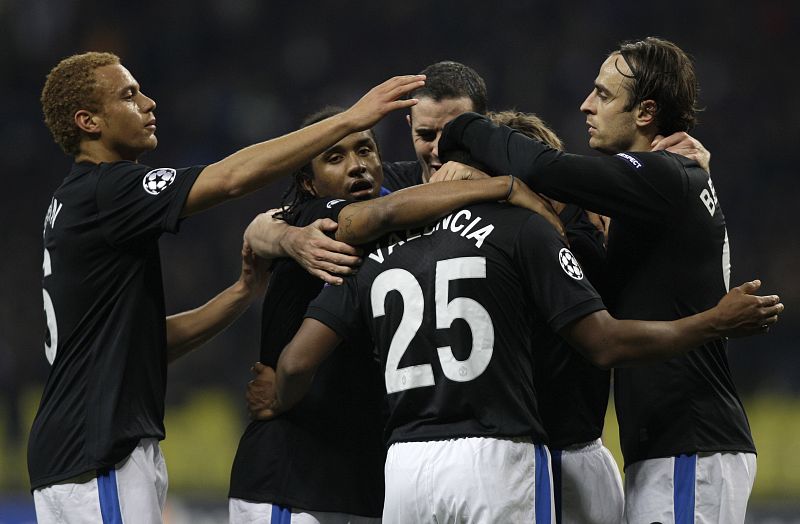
column 668, row 257
column 573, row 393
column 104, row 303
column 451, row 308
column 400, row 175
column 328, row 452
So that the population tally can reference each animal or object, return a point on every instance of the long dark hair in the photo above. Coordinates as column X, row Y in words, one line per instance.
column 663, row 72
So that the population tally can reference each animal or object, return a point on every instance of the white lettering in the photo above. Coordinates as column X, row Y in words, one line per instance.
column 708, row 201
column 396, row 241
column 454, row 227
column 377, row 256
column 52, row 213
column 481, row 234
column 470, row 226
column 630, row 159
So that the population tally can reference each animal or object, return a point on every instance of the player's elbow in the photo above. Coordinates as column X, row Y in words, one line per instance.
column 603, row 359
column 293, row 365
column 230, row 179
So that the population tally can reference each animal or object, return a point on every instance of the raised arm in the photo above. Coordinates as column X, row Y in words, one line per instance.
column 191, row 329
column 416, row 206
column 609, row 342
column 256, row 166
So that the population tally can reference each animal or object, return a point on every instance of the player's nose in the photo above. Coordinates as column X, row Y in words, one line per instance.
column 587, row 105
column 356, row 166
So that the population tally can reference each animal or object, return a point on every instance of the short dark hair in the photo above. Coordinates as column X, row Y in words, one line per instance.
column 297, row 193
column 450, row 79
column 71, row 86
column 661, row 71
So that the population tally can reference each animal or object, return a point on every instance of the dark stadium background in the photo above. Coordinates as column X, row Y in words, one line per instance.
column 229, row 73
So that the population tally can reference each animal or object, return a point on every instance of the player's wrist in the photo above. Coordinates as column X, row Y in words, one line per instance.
column 510, row 192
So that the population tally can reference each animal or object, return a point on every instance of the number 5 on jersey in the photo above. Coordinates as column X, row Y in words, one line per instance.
column 50, row 313
column 467, row 309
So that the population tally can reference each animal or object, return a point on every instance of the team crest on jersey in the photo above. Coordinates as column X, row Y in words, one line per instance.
column 158, row 180
column 333, row 202
column 570, row 264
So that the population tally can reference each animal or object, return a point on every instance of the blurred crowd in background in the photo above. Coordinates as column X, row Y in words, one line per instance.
column 229, row 73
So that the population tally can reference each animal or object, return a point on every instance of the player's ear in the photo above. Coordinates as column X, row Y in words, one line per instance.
column 646, row 112
column 408, row 119
column 308, row 185
column 87, row 121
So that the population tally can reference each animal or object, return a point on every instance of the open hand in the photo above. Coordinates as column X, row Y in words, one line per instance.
column 456, row 171
column 684, row 144
column 319, row 254
column 383, row 99
column 741, row 313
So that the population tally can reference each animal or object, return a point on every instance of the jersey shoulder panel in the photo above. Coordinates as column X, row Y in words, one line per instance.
column 135, row 200
column 325, row 207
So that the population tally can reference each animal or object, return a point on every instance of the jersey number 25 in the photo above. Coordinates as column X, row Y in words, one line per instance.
column 467, row 309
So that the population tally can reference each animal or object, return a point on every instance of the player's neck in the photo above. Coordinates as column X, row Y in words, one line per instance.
column 641, row 142
column 96, row 153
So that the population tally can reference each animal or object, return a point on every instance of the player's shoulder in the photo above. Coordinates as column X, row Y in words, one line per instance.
column 313, row 209
column 650, row 160
column 400, row 175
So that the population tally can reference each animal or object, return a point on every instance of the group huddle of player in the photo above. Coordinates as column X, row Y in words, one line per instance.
column 458, row 367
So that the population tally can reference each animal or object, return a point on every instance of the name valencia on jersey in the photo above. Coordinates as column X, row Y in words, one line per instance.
column 460, row 222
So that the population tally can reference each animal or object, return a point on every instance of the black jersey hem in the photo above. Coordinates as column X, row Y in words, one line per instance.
column 61, row 477
column 563, row 443
column 439, row 438
column 733, row 448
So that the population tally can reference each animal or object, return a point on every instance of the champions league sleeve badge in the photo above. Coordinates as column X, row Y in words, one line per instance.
column 570, row 264
column 158, row 180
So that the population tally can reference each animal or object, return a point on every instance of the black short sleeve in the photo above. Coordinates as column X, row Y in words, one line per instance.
column 337, row 307
column 136, row 201
column 553, row 276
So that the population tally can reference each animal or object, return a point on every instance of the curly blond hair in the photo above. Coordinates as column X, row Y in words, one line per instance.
column 529, row 125
column 70, row 87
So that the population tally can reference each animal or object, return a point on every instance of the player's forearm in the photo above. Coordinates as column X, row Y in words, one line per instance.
column 255, row 166
column 299, row 361
column 414, row 207
column 291, row 385
column 608, row 342
column 191, row 329
column 258, row 165
column 640, row 342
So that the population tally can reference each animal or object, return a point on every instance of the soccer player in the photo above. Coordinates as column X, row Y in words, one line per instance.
column 323, row 462
column 572, row 394
column 93, row 449
column 685, row 436
column 453, row 310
